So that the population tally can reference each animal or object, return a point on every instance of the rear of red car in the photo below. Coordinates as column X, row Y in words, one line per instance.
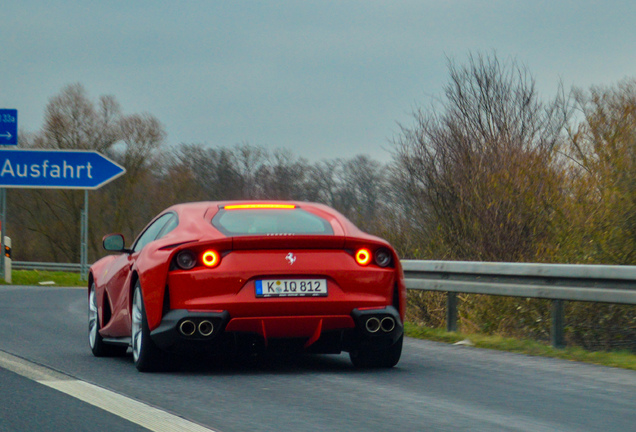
column 281, row 274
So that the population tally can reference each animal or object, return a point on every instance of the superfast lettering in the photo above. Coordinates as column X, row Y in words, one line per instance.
column 46, row 170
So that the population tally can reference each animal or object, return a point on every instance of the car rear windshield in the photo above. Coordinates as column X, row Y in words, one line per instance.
column 246, row 222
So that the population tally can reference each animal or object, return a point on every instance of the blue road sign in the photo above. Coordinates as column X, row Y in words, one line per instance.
column 56, row 169
column 8, row 127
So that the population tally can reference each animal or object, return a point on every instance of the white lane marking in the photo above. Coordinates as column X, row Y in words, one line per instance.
column 134, row 411
column 27, row 369
column 129, row 409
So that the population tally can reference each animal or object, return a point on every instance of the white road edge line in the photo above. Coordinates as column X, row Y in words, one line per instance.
column 129, row 409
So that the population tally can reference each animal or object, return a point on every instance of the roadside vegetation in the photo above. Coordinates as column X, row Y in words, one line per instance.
column 45, row 278
column 621, row 359
column 489, row 171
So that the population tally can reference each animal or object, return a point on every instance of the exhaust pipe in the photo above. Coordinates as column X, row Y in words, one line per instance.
column 187, row 328
column 206, row 328
column 387, row 324
column 372, row 325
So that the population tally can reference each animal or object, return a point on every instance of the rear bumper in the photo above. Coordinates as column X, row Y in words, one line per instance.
column 329, row 333
column 169, row 335
column 391, row 328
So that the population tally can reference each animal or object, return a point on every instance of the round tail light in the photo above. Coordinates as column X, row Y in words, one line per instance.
column 382, row 257
column 211, row 258
column 363, row 256
column 186, row 260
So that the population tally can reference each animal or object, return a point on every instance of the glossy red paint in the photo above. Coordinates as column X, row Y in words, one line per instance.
column 286, row 327
column 229, row 284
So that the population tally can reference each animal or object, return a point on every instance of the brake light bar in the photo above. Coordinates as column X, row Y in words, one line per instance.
column 259, row 206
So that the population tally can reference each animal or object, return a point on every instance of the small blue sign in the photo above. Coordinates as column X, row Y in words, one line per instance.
column 56, row 169
column 8, row 127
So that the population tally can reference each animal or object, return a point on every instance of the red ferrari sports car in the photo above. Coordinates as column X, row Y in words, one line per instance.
column 218, row 277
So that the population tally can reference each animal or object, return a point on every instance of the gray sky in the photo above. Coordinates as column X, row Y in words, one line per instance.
column 323, row 79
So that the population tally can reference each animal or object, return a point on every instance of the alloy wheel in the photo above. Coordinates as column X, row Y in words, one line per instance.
column 137, row 336
column 92, row 317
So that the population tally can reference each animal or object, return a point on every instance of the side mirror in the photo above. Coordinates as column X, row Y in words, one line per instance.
column 114, row 243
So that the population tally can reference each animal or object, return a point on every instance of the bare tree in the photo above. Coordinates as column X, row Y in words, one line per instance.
column 124, row 205
column 283, row 176
column 51, row 218
column 482, row 169
column 322, row 182
column 603, row 147
column 361, row 189
column 72, row 121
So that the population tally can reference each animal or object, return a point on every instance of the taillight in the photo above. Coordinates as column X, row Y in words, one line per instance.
column 211, row 258
column 382, row 257
column 363, row 256
column 186, row 260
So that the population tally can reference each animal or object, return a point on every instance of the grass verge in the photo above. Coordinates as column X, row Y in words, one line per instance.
column 619, row 359
column 37, row 277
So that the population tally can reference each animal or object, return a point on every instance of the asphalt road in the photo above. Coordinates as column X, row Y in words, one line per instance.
column 435, row 387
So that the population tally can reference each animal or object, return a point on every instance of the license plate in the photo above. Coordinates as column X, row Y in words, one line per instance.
column 291, row 288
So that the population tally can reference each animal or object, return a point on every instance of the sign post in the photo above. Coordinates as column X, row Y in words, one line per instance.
column 8, row 136
column 84, row 240
column 57, row 169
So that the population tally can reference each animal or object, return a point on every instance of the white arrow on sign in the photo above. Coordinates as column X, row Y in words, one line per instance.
column 7, row 135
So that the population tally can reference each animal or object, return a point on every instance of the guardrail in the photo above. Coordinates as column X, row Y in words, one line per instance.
column 556, row 282
column 49, row 266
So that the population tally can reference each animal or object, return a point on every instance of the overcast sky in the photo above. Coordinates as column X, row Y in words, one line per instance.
column 323, row 79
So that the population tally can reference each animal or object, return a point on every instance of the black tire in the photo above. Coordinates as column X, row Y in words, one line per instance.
column 146, row 355
column 382, row 358
column 95, row 340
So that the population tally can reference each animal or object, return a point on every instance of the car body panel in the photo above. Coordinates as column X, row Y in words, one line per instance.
column 304, row 326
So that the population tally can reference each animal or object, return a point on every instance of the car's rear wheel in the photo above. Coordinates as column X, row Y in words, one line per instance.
column 146, row 355
column 95, row 340
column 378, row 358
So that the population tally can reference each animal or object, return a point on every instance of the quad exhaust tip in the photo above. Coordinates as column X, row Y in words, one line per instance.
column 206, row 328
column 187, row 328
column 374, row 324
column 387, row 324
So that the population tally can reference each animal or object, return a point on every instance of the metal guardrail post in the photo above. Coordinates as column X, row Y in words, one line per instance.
column 557, row 334
column 451, row 312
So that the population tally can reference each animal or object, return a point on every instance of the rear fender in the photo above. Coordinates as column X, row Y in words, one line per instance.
column 97, row 275
column 401, row 286
column 372, row 242
column 99, row 270
column 152, row 269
